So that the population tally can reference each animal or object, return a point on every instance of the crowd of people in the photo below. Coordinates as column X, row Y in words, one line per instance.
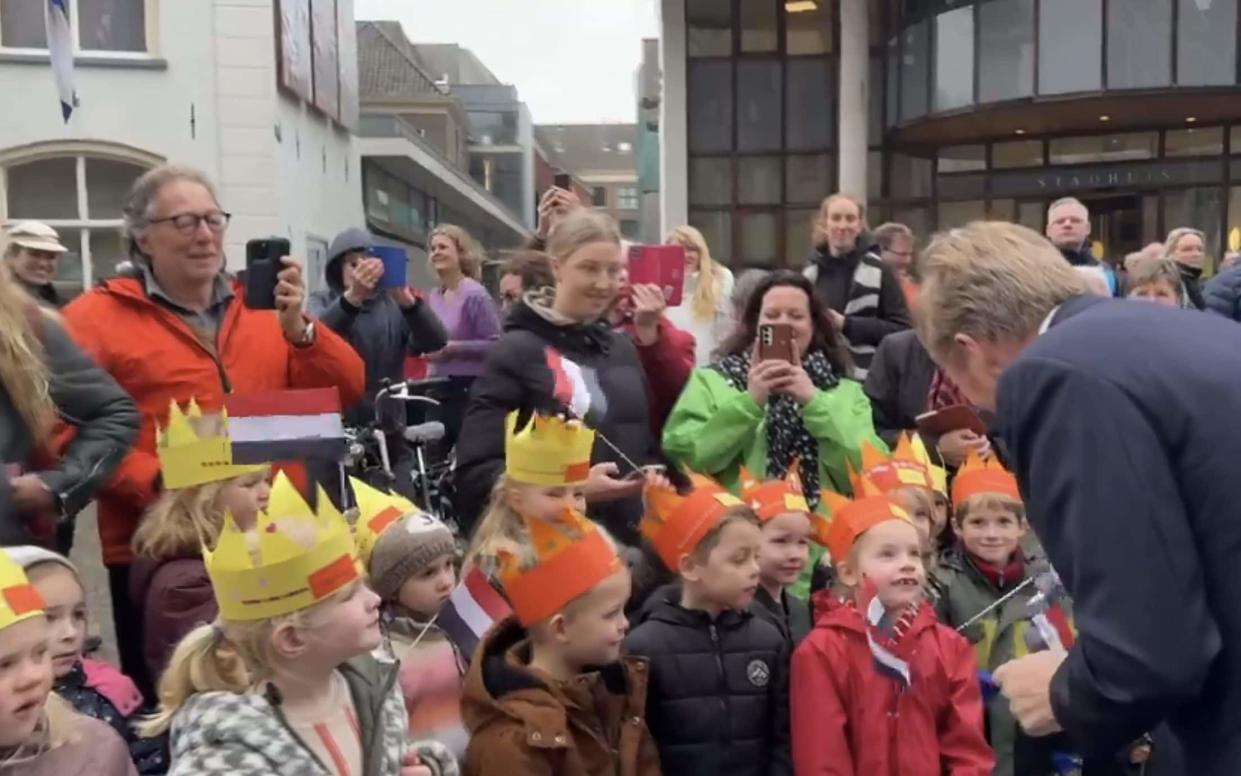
column 675, row 552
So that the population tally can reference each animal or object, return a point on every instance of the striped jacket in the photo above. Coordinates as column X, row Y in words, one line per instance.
column 866, row 291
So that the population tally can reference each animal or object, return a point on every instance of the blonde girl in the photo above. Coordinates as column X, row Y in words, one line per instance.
column 706, row 311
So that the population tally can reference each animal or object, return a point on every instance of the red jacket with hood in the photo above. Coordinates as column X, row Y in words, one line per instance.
column 847, row 718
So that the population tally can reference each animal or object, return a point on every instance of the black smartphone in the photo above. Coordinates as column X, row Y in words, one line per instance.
column 563, row 180
column 262, row 266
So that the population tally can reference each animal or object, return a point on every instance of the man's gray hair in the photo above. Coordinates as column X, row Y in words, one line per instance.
column 1068, row 201
column 884, row 234
column 138, row 203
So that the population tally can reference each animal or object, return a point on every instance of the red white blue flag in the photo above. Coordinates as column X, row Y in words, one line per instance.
column 286, row 425
column 471, row 610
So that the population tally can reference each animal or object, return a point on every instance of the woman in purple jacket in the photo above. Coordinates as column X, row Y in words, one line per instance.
column 469, row 315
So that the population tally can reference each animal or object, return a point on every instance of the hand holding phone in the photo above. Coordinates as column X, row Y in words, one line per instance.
column 263, row 266
column 775, row 343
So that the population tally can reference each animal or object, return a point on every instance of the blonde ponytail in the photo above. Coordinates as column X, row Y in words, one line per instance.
column 204, row 660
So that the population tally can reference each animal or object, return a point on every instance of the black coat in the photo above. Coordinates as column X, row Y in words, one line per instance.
column 1123, row 425
column 516, row 376
column 898, row 384
column 147, row 753
column 1222, row 293
column 718, row 699
column 791, row 615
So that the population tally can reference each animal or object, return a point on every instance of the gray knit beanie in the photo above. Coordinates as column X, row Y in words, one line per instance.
column 406, row 548
column 30, row 555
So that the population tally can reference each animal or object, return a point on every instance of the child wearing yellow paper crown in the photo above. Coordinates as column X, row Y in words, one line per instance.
column 410, row 559
column 283, row 680
column 879, row 687
column 168, row 582
column 546, row 464
column 548, row 691
column 784, row 554
column 40, row 734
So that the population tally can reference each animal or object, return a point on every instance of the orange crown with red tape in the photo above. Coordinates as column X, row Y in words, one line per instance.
column 849, row 518
column 676, row 524
column 905, row 467
column 771, row 498
column 548, row 451
column 18, row 598
column 570, row 557
column 977, row 475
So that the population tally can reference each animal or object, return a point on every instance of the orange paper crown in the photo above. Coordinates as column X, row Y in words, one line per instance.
column 847, row 518
column 570, row 558
column 774, row 497
column 902, row 469
column 675, row 524
column 978, row 476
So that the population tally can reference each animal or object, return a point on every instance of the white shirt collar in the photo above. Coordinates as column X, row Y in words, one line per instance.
column 1047, row 321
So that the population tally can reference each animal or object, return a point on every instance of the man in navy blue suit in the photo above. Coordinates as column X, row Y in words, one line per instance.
column 1122, row 421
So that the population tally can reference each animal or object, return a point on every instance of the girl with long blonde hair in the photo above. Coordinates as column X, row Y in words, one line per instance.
column 705, row 310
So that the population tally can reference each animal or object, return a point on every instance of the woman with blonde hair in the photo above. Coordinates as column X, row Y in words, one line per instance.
column 1187, row 247
column 558, row 349
column 469, row 316
column 704, row 311
column 44, row 378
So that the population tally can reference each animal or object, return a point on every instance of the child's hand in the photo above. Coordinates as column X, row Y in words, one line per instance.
column 412, row 766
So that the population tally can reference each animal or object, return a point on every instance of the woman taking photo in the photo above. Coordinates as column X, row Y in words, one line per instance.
column 704, row 310
column 469, row 316
column 566, row 326
column 1187, row 247
column 766, row 414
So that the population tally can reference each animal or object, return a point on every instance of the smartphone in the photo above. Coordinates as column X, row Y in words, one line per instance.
column 660, row 265
column 262, row 266
column 775, row 342
column 563, row 180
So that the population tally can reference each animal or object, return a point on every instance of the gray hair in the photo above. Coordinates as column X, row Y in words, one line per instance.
column 138, row 203
column 884, row 234
column 1067, row 201
column 1177, row 234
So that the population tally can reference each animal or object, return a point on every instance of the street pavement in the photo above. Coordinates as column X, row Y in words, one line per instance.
column 95, row 579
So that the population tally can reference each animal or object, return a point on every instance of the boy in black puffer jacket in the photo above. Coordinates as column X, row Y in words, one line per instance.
column 718, row 698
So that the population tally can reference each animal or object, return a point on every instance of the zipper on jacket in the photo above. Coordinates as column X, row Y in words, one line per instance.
column 718, row 649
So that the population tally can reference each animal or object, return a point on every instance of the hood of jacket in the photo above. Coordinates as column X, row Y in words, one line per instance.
column 534, row 314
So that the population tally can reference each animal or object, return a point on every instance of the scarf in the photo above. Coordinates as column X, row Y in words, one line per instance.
column 787, row 436
column 944, row 393
column 1001, row 577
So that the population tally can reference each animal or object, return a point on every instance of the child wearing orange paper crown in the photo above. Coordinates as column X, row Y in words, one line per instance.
column 719, row 674
column 784, row 554
column 905, row 475
column 548, row 691
column 984, row 586
column 411, row 563
column 283, row 680
column 40, row 734
column 879, row 687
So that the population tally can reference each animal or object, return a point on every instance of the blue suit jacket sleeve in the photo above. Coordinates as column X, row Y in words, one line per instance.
column 1104, row 498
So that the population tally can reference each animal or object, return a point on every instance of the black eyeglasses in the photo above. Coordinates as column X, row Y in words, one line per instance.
column 188, row 222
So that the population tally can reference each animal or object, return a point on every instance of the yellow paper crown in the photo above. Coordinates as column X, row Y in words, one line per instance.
column 186, row 459
column 904, row 467
column 570, row 558
column 18, row 598
column 548, row 451
column 282, row 575
column 376, row 512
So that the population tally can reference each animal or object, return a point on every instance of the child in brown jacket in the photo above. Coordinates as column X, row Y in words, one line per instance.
column 547, row 691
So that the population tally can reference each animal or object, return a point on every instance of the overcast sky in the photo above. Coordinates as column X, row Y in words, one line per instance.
column 572, row 61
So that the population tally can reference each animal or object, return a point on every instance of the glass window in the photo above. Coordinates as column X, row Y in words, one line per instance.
column 1234, row 220
column 874, row 95
column 1139, row 44
column 1150, row 219
column 954, row 59
column 808, row 108
column 1006, row 50
column 915, row 65
column 1070, row 57
column 1234, row 140
column 954, row 214
column 507, row 180
column 630, row 229
column 1204, row 141
column 717, row 229
column 910, row 176
column 1001, row 209
column 808, row 31
column 966, row 158
column 377, row 196
column 599, row 196
column 1033, row 215
column 1206, row 43
column 758, row 180
column 1104, row 148
column 112, row 25
column 69, row 272
column 1019, row 153
column 758, row 106
column 710, row 181
column 710, row 28
column 22, row 25
column 710, row 106
column 107, row 184
column 107, row 249
column 918, row 220
column 1201, row 208
column 45, row 190
column 759, row 238
column 399, row 206
column 892, row 86
column 808, row 179
column 798, row 235
column 874, row 174
column 627, row 198
column 493, row 127
column 758, row 26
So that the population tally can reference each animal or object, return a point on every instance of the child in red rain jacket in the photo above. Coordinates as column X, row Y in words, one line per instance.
column 880, row 687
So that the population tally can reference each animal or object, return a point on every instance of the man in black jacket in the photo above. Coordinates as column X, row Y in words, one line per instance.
column 1127, row 460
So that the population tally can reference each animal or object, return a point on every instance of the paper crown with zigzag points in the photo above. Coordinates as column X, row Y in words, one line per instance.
column 187, row 459
column 771, row 498
column 676, row 524
column 983, row 476
column 548, row 450
column 19, row 600
column 908, row 465
column 843, row 519
column 377, row 511
column 571, row 557
column 293, row 559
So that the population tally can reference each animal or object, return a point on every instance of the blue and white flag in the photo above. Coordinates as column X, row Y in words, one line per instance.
column 60, row 49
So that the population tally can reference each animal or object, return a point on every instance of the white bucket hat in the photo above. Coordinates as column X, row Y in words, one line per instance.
column 35, row 236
